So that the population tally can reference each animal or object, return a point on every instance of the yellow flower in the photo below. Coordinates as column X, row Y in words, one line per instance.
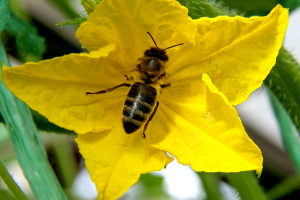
column 220, row 63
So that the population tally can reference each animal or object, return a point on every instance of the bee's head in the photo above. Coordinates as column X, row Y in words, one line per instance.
column 157, row 53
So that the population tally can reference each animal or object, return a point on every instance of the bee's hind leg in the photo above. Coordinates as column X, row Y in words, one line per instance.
column 150, row 118
column 109, row 89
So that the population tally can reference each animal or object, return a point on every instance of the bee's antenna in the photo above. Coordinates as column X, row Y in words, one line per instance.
column 174, row 46
column 152, row 39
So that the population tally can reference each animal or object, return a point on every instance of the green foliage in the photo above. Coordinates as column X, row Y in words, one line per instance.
column 32, row 44
column 6, row 195
column 291, row 4
column 252, row 7
column 284, row 82
column 206, row 8
column 289, row 135
column 65, row 164
column 27, row 38
column 24, row 137
column 258, row 7
column 150, row 180
column 4, row 13
column 153, row 187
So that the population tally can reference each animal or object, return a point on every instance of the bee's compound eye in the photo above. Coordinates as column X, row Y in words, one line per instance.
column 164, row 57
column 148, row 53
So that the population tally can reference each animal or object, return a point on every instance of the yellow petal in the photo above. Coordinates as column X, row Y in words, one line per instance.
column 199, row 127
column 115, row 160
column 57, row 89
column 126, row 23
column 237, row 53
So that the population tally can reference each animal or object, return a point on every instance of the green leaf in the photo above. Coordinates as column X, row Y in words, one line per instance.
column 291, row 4
column 258, row 7
column 252, row 6
column 6, row 195
column 4, row 13
column 76, row 21
column 27, row 38
column 284, row 82
column 27, row 144
column 31, row 43
column 206, row 8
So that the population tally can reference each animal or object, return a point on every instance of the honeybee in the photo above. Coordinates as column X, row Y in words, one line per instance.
column 140, row 105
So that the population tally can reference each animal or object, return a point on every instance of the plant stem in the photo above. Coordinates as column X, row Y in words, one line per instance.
column 284, row 188
column 210, row 183
column 289, row 134
column 247, row 185
column 11, row 184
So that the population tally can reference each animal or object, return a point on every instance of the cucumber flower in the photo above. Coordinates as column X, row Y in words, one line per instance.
column 222, row 60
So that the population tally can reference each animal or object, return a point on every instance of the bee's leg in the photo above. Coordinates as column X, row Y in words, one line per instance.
column 150, row 118
column 165, row 85
column 129, row 78
column 163, row 76
column 109, row 89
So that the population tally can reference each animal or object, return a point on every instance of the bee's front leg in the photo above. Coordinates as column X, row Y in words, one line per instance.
column 108, row 90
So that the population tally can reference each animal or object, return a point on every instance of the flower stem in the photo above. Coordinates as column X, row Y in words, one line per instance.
column 65, row 160
column 284, row 188
column 247, row 185
column 210, row 183
column 11, row 184
column 289, row 134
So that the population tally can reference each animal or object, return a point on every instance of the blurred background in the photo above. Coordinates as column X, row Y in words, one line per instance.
column 174, row 182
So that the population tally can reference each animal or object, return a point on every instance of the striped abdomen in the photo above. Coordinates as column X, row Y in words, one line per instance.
column 138, row 106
